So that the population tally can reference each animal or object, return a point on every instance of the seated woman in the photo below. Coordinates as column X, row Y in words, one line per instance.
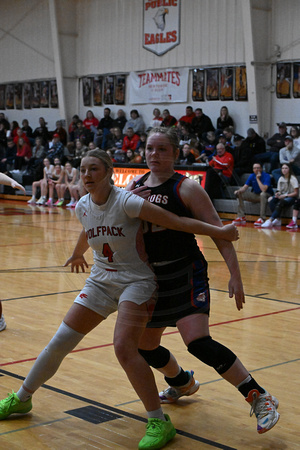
column 55, row 181
column 42, row 184
column 23, row 154
column 70, row 176
column 286, row 195
column 70, row 179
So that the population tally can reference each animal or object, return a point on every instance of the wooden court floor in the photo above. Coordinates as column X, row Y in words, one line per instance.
column 89, row 403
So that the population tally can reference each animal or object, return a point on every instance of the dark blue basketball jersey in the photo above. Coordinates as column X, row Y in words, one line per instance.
column 162, row 244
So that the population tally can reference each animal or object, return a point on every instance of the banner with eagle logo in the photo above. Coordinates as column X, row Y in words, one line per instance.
column 161, row 25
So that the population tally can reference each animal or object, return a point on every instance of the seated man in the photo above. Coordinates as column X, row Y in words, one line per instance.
column 130, row 141
column 168, row 120
column 289, row 154
column 276, row 142
column 260, row 182
column 219, row 173
column 189, row 115
column 187, row 156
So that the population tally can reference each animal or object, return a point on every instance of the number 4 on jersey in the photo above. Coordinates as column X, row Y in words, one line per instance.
column 107, row 252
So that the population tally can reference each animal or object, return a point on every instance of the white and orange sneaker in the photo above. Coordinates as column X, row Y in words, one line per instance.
column 239, row 220
column 264, row 406
column 172, row 394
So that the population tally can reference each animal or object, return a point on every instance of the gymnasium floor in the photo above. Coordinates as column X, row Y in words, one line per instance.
column 89, row 403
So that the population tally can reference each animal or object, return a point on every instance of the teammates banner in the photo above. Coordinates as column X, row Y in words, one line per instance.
column 159, row 86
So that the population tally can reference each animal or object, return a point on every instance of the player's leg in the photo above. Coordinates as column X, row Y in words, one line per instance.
column 2, row 321
column 195, row 333
column 131, row 322
column 77, row 323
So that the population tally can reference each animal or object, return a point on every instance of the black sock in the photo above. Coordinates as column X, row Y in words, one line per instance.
column 247, row 387
column 180, row 380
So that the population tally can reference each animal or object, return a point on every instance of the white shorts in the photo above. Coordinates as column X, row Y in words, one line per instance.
column 105, row 290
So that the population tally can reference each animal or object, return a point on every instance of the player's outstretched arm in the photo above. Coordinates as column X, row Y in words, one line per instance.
column 4, row 179
column 159, row 216
column 77, row 259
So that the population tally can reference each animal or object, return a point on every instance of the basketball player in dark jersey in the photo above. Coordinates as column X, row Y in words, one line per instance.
column 181, row 269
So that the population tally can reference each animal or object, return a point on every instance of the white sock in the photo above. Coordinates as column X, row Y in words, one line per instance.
column 246, row 380
column 294, row 219
column 156, row 414
column 23, row 395
column 49, row 360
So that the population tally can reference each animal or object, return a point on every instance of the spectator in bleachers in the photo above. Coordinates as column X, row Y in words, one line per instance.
column 21, row 134
column 4, row 121
column 229, row 134
column 276, row 142
column 185, row 135
column 286, row 195
column 243, row 157
column 7, row 161
column 219, row 174
column 222, row 140
column 54, row 182
column 295, row 133
column 90, row 120
column 82, row 133
column 116, row 138
column 130, row 140
column 201, row 124
column 157, row 119
column 289, row 154
column 56, row 149
column 261, row 189
column 79, row 152
column 23, row 154
column 189, row 115
column 63, row 137
column 42, row 183
column 13, row 129
column 103, row 129
column 35, row 165
column 187, row 156
column 120, row 121
column 168, row 120
column 28, row 131
column 224, row 120
column 255, row 142
column 73, row 127
column 135, row 122
column 42, row 131
column 3, row 139
column 142, row 142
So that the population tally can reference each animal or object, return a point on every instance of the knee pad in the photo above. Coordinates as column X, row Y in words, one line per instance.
column 157, row 358
column 212, row 353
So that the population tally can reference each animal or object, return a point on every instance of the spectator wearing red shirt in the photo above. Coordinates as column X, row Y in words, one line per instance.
column 23, row 154
column 131, row 140
column 21, row 134
column 90, row 120
column 189, row 115
column 219, row 173
column 168, row 120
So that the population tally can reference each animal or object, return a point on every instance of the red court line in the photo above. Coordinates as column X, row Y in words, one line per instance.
column 164, row 334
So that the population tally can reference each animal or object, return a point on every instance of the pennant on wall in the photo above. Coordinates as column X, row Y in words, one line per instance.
column 161, row 25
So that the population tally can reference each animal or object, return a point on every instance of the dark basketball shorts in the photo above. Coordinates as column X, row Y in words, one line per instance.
column 183, row 290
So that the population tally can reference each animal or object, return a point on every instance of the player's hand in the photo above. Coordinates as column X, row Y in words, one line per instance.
column 231, row 233
column 76, row 262
column 236, row 289
column 141, row 191
column 16, row 185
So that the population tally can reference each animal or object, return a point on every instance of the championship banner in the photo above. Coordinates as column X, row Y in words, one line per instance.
column 159, row 86
column 161, row 25
column 123, row 175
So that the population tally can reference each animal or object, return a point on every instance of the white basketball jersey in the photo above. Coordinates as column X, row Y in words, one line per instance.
column 114, row 232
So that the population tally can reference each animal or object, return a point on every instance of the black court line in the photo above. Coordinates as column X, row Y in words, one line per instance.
column 119, row 411
column 39, row 295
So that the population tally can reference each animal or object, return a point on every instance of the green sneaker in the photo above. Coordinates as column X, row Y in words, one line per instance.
column 13, row 405
column 158, row 433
